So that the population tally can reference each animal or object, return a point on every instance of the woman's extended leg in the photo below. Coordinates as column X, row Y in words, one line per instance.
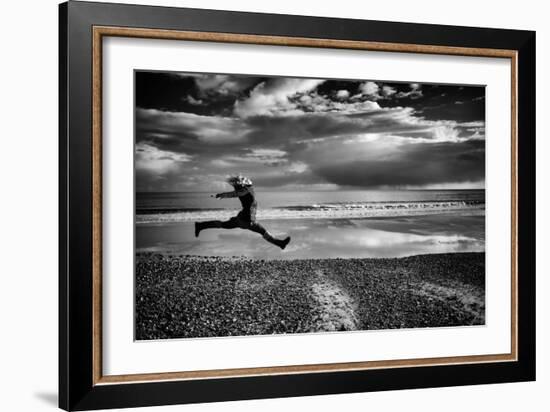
column 258, row 228
column 228, row 224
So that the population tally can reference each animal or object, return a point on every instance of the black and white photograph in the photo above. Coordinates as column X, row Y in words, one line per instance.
column 278, row 205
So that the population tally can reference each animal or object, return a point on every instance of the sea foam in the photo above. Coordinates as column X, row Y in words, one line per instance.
column 318, row 211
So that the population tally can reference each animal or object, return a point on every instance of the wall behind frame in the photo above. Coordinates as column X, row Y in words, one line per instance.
column 28, row 234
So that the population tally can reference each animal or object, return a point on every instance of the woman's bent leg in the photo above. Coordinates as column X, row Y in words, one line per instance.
column 256, row 227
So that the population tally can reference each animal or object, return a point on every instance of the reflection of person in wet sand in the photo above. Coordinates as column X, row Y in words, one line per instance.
column 246, row 218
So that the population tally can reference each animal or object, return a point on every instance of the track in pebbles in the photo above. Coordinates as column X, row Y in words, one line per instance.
column 336, row 308
column 464, row 298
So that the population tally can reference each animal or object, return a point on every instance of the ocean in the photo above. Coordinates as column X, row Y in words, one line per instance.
column 345, row 224
column 184, row 207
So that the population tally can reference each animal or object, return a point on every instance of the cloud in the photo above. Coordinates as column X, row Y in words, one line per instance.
column 388, row 91
column 268, row 157
column 370, row 89
column 415, row 92
column 191, row 100
column 342, row 94
column 375, row 91
column 472, row 124
column 152, row 159
column 268, row 137
column 304, row 133
column 314, row 103
column 223, row 84
column 171, row 129
column 298, row 167
column 272, row 97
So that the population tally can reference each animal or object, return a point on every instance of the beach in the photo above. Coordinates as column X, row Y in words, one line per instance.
column 358, row 260
column 191, row 296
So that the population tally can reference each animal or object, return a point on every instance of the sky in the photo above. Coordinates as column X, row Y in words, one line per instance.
column 194, row 130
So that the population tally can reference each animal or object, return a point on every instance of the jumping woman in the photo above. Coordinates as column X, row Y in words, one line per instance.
column 246, row 219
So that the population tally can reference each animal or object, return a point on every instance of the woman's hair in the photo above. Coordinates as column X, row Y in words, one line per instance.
column 239, row 180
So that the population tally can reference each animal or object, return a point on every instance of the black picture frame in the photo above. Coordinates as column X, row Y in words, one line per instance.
column 77, row 387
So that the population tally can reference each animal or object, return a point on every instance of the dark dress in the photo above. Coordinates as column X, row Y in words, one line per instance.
column 246, row 218
column 248, row 201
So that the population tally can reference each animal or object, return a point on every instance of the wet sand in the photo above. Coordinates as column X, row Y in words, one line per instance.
column 182, row 296
column 324, row 238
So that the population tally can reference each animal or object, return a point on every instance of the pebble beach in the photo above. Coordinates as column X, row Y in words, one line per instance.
column 186, row 296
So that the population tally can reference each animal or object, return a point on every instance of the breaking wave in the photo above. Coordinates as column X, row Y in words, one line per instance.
column 317, row 211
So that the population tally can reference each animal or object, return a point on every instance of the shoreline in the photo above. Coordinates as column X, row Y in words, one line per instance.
column 141, row 254
column 179, row 296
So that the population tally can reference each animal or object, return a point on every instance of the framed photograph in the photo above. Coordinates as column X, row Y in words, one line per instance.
column 256, row 206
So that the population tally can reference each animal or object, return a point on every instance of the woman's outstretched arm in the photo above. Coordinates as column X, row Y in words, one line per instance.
column 240, row 192
column 226, row 195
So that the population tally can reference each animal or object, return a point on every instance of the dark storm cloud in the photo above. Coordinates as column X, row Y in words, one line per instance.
column 207, row 94
column 440, row 102
column 415, row 164
column 184, row 131
column 192, row 130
